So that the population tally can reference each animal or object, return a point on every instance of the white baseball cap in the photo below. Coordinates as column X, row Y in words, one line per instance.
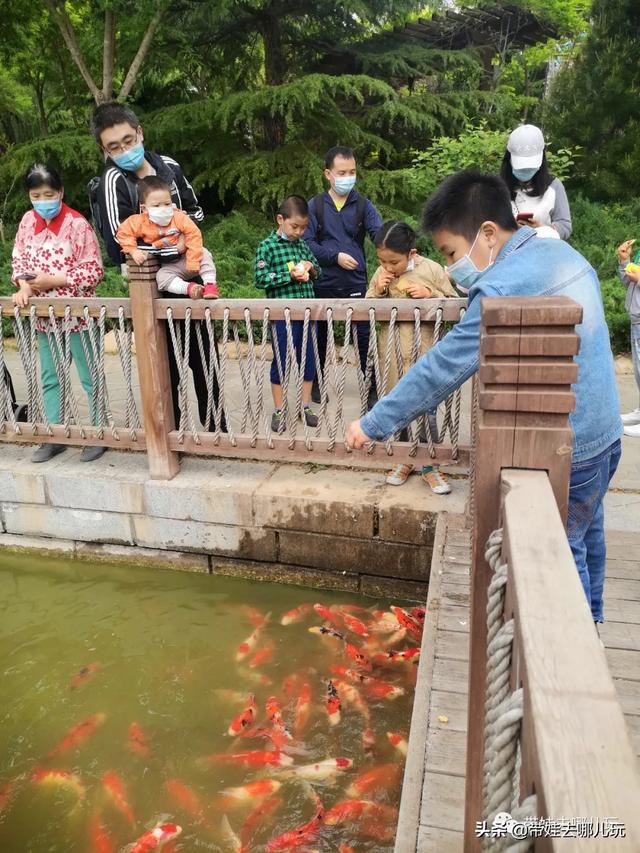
column 526, row 146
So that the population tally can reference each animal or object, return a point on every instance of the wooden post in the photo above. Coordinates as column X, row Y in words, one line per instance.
column 153, row 370
column 527, row 345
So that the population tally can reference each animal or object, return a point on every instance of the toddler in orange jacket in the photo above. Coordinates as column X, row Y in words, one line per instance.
column 160, row 225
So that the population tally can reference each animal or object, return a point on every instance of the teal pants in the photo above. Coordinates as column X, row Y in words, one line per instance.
column 50, row 381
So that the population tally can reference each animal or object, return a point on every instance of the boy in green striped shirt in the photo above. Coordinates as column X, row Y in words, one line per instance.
column 285, row 268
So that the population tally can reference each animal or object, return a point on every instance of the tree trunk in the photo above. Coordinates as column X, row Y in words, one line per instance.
column 38, row 85
column 108, row 53
column 145, row 44
column 61, row 18
column 274, row 73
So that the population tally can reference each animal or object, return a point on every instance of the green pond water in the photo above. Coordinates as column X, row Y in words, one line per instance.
column 160, row 652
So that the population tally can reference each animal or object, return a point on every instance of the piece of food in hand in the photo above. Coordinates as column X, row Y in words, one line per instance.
column 632, row 268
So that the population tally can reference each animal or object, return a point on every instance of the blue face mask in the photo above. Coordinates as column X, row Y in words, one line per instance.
column 48, row 209
column 464, row 272
column 343, row 186
column 283, row 236
column 524, row 175
column 130, row 160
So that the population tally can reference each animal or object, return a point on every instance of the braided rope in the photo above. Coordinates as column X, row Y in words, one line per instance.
column 503, row 709
column 124, row 346
column 182, row 362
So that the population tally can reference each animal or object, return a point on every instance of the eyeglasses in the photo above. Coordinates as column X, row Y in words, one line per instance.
column 127, row 143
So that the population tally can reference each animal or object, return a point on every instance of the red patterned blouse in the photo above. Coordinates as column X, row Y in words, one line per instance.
column 67, row 244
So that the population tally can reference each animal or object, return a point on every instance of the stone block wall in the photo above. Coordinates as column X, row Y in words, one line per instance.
column 328, row 527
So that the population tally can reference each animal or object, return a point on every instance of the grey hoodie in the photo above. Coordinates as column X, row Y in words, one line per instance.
column 632, row 300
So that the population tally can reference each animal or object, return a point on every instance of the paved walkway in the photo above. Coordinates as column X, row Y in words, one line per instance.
column 442, row 809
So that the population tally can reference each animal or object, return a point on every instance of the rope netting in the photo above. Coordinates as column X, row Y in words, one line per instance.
column 503, row 715
column 237, row 355
column 58, row 333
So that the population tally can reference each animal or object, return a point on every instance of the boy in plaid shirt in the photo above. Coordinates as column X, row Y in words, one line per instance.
column 285, row 268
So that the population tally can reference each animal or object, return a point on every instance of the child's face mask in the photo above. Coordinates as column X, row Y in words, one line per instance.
column 160, row 215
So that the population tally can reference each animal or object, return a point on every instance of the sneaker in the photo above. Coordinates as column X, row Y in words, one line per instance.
column 211, row 290
column 315, row 392
column 310, row 417
column 436, row 481
column 276, row 420
column 633, row 431
column 631, row 418
column 89, row 454
column 46, row 452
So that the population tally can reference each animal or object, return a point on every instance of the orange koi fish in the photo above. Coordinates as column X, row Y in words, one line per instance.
column 333, row 704
column 254, row 758
column 184, row 797
column 257, row 818
column 254, row 616
column 245, row 718
column 399, row 741
column 407, row 621
column 327, row 614
column 245, row 648
column 84, row 674
column 396, row 657
column 115, row 787
column 100, row 840
column 60, row 778
column 156, row 838
column 262, row 656
column 300, row 836
column 274, row 713
column 382, row 690
column 303, row 710
column 377, row 779
column 252, row 791
column 358, row 656
column 355, row 625
column 137, row 742
column 296, row 614
column 368, row 739
column 347, row 812
column 291, row 685
column 79, row 733
column 320, row 771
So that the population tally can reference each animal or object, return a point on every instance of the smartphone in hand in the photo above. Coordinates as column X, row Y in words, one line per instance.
column 524, row 217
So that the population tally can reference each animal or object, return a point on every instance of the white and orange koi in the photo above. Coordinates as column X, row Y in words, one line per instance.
column 320, row 771
column 250, row 793
column 156, row 838
column 296, row 614
column 61, row 779
column 407, row 621
column 355, row 625
column 328, row 615
column 399, row 741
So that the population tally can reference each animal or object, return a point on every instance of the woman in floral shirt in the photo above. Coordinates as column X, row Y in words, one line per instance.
column 56, row 253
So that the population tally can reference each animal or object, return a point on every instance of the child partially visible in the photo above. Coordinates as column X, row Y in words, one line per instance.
column 403, row 273
column 285, row 269
column 629, row 272
column 161, row 224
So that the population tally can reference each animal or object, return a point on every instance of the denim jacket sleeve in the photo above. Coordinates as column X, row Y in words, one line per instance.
column 440, row 371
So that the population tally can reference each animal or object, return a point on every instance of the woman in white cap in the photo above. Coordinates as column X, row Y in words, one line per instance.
column 538, row 199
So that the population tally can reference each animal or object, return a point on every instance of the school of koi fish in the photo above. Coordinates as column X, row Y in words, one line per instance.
column 365, row 659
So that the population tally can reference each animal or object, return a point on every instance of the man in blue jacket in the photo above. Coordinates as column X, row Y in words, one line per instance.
column 339, row 221
column 473, row 226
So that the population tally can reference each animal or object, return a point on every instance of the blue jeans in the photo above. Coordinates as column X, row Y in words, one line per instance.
column 585, row 525
column 279, row 340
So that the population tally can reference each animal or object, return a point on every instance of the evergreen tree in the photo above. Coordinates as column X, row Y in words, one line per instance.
column 594, row 101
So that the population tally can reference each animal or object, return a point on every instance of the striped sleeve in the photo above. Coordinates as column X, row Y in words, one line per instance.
column 115, row 207
column 188, row 198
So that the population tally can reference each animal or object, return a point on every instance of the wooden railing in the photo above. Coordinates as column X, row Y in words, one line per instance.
column 220, row 329
column 548, row 741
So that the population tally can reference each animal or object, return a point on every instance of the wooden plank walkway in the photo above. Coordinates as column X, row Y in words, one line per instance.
column 442, row 809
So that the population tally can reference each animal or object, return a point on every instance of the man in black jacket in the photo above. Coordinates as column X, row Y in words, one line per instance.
column 119, row 134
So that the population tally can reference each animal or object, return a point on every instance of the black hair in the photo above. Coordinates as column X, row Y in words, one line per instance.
column 465, row 200
column 539, row 182
column 338, row 151
column 42, row 174
column 397, row 236
column 108, row 115
column 149, row 184
column 293, row 205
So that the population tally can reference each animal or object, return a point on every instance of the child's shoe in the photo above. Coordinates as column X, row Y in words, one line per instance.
column 211, row 290
column 276, row 420
column 436, row 481
column 398, row 475
column 310, row 417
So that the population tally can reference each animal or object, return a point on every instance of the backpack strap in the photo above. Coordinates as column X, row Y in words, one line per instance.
column 318, row 203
